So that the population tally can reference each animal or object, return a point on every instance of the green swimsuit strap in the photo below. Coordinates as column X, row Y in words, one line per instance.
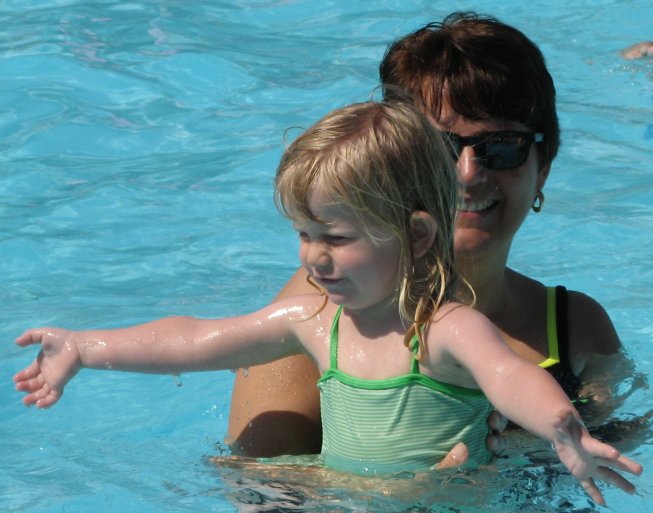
column 334, row 339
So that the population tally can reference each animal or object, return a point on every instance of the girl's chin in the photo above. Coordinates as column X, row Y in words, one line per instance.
column 339, row 299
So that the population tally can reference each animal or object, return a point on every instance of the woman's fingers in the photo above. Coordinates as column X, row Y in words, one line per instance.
column 497, row 422
column 455, row 458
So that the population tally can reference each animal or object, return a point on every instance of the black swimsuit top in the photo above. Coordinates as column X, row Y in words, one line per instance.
column 560, row 369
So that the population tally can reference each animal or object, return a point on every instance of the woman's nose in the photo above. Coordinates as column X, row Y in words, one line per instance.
column 470, row 170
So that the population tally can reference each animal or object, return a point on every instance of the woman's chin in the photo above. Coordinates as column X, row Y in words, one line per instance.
column 472, row 242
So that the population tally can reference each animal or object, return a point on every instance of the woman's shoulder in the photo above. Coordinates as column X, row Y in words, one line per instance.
column 589, row 327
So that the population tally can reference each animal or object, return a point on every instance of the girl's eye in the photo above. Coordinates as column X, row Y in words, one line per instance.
column 336, row 239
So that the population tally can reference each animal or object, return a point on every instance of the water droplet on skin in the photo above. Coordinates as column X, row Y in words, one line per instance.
column 295, row 313
column 177, row 379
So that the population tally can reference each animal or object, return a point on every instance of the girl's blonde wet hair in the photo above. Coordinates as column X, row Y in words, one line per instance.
column 382, row 161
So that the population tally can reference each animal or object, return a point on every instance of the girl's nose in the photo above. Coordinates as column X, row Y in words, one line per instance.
column 317, row 256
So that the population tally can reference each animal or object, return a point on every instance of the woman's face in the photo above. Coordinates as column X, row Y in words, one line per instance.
column 494, row 202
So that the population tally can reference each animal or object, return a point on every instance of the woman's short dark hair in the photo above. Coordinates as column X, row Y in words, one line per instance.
column 479, row 67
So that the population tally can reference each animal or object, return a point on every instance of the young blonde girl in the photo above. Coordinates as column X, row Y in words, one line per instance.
column 406, row 366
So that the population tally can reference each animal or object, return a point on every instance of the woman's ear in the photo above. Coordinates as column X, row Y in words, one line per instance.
column 423, row 229
column 542, row 175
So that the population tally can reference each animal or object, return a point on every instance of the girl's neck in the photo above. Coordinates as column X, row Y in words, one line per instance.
column 378, row 319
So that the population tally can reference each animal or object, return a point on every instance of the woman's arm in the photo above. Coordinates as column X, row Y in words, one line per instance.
column 275, row 408
column 598, row 358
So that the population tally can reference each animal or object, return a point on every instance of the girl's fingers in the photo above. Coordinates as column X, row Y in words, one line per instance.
column 27, row 373
column 37, row 395
column 622, row 463
column 43, row 398
column 615, row 479
column 593, row 491
column 29, row 337
column 608, row 456
column 30, row 385
column 48, row 400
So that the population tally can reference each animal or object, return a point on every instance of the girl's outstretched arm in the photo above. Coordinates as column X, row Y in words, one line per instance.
column 530, row 397
column 171, row 345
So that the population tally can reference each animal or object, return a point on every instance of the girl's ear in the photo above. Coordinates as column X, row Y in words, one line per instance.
column 423, row 229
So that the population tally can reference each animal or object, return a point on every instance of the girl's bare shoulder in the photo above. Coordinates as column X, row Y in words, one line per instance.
column 456, row 326
column 454, row 312
column 299, row 305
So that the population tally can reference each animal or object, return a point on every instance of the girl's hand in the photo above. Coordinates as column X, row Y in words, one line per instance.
column 57, row 362
column 589, row 459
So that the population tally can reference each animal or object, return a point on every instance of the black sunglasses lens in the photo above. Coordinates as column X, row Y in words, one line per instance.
column 504, row 154
column 494, row 150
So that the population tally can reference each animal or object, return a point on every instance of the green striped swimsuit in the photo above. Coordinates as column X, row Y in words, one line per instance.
column 407, row 422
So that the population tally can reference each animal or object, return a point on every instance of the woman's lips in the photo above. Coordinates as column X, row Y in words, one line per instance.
column 473, row 206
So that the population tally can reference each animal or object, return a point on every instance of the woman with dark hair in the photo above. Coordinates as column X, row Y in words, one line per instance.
column 487, row 86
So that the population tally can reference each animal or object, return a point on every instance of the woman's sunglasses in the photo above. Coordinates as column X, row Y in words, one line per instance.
column 496, row 150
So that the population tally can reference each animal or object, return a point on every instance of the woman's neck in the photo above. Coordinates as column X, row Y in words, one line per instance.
column 489, row 278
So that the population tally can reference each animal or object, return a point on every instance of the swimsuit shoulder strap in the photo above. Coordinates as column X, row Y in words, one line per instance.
column 333, row 340
column 414, row 348
column 556, row 327
column 558, row 363
column 551, row 328
column 562, row 325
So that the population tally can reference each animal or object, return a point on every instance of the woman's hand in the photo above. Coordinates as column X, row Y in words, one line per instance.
column 497, row 424
column 57, row 362
column 459, row 454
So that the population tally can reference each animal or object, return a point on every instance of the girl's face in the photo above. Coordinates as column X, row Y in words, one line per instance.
column 355, row 270
column 494, row 202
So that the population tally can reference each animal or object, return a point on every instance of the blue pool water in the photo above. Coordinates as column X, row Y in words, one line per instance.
column 137, row 146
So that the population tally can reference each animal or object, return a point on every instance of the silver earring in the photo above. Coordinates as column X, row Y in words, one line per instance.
column 538, row 202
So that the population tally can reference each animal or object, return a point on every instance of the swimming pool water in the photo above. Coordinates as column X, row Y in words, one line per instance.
column 138, row 142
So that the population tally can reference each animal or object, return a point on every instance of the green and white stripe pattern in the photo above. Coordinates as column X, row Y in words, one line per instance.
column 408, row 422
